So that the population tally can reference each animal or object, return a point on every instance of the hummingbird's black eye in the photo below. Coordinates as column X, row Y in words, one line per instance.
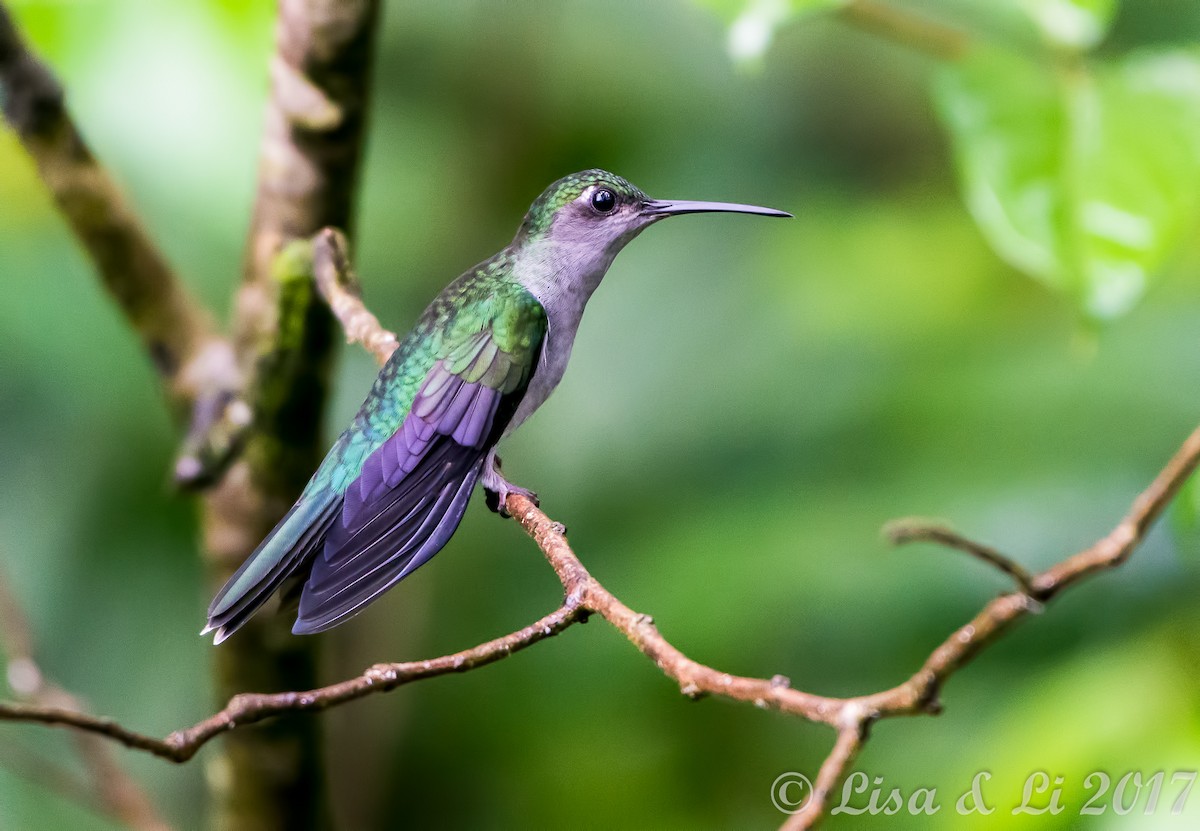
column 603, row 201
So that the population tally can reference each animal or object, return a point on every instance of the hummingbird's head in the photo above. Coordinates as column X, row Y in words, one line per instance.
column 602, row 209
column 593, row 207
column 582, row 221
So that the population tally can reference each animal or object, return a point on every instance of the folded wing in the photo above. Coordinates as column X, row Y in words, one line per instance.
column 413, row 490
column 345, row 544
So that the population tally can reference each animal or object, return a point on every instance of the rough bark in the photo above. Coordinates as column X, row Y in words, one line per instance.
column 309, row 164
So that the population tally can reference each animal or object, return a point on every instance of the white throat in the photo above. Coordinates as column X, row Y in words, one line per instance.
column 562, row 275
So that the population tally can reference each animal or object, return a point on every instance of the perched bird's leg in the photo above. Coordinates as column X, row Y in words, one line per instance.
column 497, row 488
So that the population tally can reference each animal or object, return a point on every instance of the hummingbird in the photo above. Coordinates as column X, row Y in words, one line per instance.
column 484, row 355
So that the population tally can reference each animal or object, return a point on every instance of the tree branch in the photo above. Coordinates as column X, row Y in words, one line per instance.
column 250, row 708
column 851, row 718
column 311, row 149
column 339, row 287
column 907, row 28
column 905, row 531
column 192, row 359
column 833, row 770
column 284, row 335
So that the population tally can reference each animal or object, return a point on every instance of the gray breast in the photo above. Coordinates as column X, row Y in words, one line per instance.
column 562, row 276
column 556, row 352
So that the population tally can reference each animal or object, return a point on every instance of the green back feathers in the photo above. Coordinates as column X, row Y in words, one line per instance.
column 486, row 329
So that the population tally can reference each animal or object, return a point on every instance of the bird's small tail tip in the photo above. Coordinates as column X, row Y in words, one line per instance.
column 221, row 633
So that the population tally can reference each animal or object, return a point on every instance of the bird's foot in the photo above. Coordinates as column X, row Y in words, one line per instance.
column 496, row 488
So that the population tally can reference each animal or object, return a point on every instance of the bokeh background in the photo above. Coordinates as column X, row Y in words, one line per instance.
column 748, row 402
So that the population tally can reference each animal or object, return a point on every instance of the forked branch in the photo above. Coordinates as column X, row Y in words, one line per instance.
column 851, row 718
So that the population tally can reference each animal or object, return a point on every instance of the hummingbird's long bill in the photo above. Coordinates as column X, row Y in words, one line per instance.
column 673, row 207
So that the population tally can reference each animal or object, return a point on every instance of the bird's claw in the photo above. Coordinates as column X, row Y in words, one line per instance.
column 496, row 488
column 497, row 500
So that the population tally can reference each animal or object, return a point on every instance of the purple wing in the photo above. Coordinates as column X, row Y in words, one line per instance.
column 407, row 501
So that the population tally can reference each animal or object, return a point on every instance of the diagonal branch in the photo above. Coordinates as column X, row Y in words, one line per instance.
column 852, row 718
column 192, row 359
column 914, row 29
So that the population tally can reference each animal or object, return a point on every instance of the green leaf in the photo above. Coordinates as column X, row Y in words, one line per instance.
column 1083, row 179
column 1075, row 24
column 753, row 23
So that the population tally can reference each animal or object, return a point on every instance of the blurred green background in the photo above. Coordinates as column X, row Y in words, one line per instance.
column 749, row 401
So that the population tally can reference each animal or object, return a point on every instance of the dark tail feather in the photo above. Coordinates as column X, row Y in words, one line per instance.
column 360, row 564
column 288, row 548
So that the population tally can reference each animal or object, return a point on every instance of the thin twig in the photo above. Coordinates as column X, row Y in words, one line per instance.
column 911, row 529
column 829, row 778
column 249, row 708
column 339, row 287
column 906, row 27
column 1113, row 549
